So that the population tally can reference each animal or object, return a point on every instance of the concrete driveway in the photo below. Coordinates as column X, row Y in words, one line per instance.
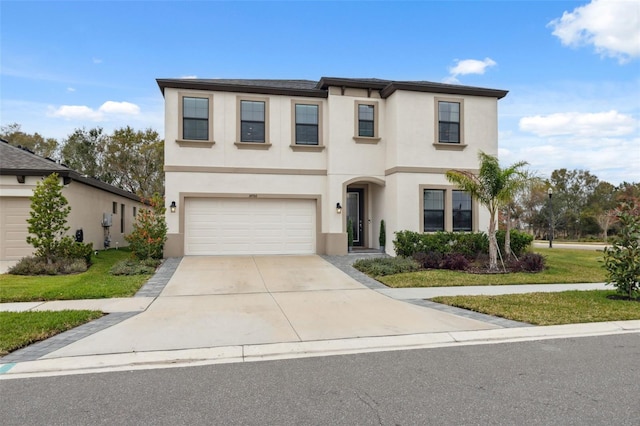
column 251, row 300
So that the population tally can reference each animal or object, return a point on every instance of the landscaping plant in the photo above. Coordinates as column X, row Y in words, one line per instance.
column 383, row 235
column 48, row 218
column 149, row 234
column 493, row 187
column 622, row 259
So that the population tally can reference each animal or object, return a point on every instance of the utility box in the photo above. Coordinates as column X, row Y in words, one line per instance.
column 106, row 220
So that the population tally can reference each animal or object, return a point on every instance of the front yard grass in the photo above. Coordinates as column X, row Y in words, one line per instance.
column 96, row 283
column 20, row 329
column 568, row 307
column 562, row 266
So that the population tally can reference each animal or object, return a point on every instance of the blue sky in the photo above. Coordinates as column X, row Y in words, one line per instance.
column 572, row 67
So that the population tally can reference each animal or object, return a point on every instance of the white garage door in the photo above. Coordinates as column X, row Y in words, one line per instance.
column 249, row 226
column 14, row 212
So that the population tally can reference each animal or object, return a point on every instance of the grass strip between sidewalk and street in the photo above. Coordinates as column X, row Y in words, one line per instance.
column 563, row 266
column 20, row 329
column 95, row 283
column 568, row 307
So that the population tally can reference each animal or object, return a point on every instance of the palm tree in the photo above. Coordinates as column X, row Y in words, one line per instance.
column 493, row 187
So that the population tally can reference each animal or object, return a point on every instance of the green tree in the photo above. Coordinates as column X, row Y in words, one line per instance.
column 493, row 187
column 83, row 151
column 45, row 147
column 572, row 191
column 622, row 259
column 149, row 234
column 48, row 218
column 134, row 161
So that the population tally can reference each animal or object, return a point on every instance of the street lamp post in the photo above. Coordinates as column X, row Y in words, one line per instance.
column 550, row 192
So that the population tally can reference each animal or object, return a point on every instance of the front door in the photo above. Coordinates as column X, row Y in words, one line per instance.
column 355, row 212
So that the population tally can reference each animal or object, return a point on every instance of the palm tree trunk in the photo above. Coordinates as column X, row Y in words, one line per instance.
column 507, row 235
column 493, row 245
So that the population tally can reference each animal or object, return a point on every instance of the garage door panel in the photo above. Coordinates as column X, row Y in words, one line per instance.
column 249, row 226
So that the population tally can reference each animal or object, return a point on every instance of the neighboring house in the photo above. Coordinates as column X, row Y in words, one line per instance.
column 277, row 166
column 93, row 203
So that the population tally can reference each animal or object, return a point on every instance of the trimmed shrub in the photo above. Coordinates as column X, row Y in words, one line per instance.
column 75, row 250
column 135, row 267
column 381, row 266
column 408, row 243
column 455, row 262
column 520, row 241
column 430, row 260
column 41, row 266
column 469, row 244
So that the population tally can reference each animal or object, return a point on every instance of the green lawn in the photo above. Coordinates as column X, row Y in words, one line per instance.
column 96, row 283
column 563, row 266
column 20, row 329
column 569, row 307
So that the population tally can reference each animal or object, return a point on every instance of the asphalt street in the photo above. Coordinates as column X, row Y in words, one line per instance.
column 579, row 381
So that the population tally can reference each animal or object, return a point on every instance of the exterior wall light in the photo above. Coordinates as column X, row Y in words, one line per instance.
column 173, row 207
column 338, row 208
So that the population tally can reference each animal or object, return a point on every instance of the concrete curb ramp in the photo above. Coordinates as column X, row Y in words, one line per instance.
column 279, row 351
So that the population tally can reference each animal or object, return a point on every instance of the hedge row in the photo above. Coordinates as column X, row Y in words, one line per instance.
column 408, row 243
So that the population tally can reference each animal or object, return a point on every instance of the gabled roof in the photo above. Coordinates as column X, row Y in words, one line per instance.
column 321, row 88
column 18, row 161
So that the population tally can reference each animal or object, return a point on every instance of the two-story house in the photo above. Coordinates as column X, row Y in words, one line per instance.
column 277, row 166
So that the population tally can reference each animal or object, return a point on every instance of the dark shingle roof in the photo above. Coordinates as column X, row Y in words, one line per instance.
column 22, row 162
column 14, row 158
column 320, row 88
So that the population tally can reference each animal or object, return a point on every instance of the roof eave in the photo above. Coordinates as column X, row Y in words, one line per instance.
column 237, row 88
column 73, row 175
column 443, row 89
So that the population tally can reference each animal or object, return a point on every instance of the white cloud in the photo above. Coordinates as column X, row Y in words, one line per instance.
column 599, row 124
column 106, row 110
column 468, row 66
column 70, row 89
column 97, row 60
column 111, row 107
column 611, row 26
column 189, row 76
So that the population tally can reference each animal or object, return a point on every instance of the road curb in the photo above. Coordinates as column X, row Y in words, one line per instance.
column 279, row 351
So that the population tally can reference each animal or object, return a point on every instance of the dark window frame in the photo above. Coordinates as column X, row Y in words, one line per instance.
column 371, row 133
column 430, row 213
column 449, row 131
column 298, row 125
column 462, row 218
column 195, row 119
column 263, row 122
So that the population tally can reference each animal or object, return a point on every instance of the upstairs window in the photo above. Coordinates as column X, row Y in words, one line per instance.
column 195, row 118
column 252, row 121
column 307, row 119
column 449, row 122
column 366, row 120
column 462, row 211
column 433, row 210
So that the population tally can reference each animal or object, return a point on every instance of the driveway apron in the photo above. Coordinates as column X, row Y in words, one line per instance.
column 214, row 301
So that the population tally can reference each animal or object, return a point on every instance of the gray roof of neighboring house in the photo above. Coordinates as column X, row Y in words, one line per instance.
column 18, row 161
column 320, row 88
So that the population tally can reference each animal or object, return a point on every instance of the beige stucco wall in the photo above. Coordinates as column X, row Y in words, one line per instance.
column 391, row 167
column 87, row 207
